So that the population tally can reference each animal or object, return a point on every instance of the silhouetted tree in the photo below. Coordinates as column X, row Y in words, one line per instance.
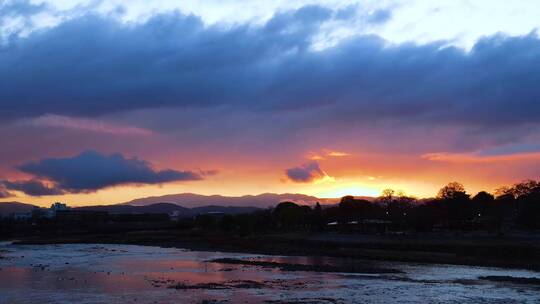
column 317, row 220
column 289, row 215
column 453, row 191
column 489, row 211
column 506, row 205
column 386, row 197
column 524, row 188
column 483, row 197
column 355, row 209
column 484, row 203
column 527, row 196
column 454, row 201
column 396, row 205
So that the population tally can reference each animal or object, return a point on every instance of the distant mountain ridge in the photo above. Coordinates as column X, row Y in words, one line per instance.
column 265, row 200
column 188, row 204
column 7, row 208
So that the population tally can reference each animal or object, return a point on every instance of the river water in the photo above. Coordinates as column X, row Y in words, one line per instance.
column 93, row 273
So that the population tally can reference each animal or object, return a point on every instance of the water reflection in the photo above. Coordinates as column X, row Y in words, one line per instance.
column 123, row 274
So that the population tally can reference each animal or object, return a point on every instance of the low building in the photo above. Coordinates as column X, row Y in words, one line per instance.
column 55, row 208
column 369, row 226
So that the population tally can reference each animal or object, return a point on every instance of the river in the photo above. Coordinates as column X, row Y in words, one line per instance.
column 95, row 273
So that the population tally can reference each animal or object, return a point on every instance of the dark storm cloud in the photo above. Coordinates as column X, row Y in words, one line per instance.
column 305, row 173
column 95, row 65
column 33, row 188
column 91, row 171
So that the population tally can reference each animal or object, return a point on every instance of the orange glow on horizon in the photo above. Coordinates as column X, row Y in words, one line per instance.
column 357, row 174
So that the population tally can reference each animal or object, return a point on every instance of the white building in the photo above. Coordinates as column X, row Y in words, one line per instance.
column 58, row 206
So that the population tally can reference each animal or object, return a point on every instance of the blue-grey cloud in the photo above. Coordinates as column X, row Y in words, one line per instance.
column 17, row 8
column 380, row 16
column 305, row 173
column 91, row 171
column 33, row 188
column 20, row 10
column 96, row 65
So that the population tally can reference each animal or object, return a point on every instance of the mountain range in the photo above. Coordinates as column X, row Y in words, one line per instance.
column 7, row 208
column 265, row 200
column 187, row 204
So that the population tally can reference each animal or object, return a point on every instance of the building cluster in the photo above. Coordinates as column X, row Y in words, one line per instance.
column 60, row 212
column 38, row 212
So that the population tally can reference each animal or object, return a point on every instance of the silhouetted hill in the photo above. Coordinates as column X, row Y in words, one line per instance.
column 153, row 208
column 190, row 204
column 225, row 209
column 168, row 208
column 7, row 208
column 265, row 200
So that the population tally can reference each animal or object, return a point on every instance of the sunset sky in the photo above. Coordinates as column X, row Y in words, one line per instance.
column 106, row 101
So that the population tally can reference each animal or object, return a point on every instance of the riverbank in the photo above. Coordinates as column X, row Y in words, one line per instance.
column 522, row 251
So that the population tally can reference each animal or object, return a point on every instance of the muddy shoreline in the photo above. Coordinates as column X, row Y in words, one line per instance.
column 508, row 252
column 352, row 268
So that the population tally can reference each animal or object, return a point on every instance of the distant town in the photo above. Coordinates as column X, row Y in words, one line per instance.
column 513, row 208
column 62, row 212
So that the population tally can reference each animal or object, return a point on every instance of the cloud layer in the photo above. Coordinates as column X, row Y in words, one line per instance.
column 250, row 98
column 91, row 171
column 96, row 65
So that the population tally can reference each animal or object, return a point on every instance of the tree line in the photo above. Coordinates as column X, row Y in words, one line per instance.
column 512, row 207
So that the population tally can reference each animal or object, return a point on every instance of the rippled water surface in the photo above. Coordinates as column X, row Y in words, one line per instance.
column 90, row 273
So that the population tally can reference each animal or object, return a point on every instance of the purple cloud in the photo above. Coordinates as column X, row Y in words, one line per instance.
column 4, row 193
column 33, row 188
column 91, row 171
column 305, row 173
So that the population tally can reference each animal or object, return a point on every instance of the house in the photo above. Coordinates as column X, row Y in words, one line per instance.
column 55, row 207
